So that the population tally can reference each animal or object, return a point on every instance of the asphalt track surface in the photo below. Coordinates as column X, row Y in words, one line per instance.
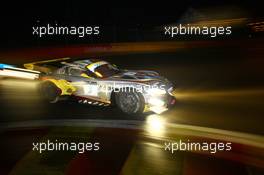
column 220, row 97
column 126, row 147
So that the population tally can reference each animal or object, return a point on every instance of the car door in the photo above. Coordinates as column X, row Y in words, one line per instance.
column 86, row 87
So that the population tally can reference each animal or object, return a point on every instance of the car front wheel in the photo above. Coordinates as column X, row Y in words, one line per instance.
column 130, row 102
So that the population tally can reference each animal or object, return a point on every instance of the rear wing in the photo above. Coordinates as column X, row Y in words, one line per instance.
column 46, row 66
column 14, row 72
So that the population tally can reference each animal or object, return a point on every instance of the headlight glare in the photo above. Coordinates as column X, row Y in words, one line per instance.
column 156, row 91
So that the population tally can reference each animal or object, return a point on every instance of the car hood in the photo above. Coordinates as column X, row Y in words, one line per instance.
column 140, row 76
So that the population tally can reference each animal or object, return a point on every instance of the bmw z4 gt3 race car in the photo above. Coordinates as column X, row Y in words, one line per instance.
column 98, row 82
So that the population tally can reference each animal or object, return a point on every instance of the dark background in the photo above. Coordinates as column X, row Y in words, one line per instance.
column 116, row 24
column 219, row 83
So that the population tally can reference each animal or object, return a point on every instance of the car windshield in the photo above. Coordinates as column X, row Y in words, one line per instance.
column 105, row 70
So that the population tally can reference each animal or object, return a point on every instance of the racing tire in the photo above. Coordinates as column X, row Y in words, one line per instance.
column 49, row 92
column 131, row 103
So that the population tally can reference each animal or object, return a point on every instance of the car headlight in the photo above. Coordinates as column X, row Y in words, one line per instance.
column 156, row 91
column 156, row 102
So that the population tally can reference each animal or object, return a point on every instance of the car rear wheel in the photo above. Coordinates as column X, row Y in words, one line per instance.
column 130, row 102
column 49, row 92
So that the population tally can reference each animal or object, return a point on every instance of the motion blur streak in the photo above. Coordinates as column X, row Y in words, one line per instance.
column 19, row 91
column 224, row 22
column 228, row 95
column 29, row 55
column 18, row 84
column 15, row 74
column 231, row 92
column 20, row 99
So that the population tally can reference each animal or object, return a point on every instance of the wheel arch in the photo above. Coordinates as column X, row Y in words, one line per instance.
column 65, row 86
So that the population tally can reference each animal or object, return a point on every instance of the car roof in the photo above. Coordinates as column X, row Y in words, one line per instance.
column 85, row 63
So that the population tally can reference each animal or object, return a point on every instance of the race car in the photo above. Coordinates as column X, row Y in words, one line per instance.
column 97, row 82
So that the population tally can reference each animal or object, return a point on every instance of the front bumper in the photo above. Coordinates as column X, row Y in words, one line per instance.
column 160, row 104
